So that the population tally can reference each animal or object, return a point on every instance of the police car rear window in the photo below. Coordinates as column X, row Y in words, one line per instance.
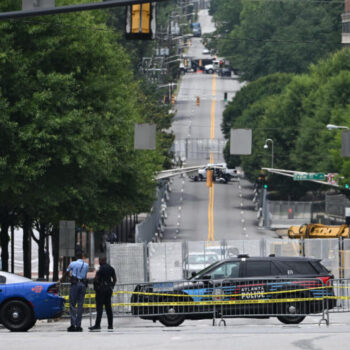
column 2, row 279
column 298, row 267
column 261, row 268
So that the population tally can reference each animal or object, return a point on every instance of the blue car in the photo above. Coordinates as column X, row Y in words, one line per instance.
column 23, row 301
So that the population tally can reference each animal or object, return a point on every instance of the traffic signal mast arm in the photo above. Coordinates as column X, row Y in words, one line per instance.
column 70, row 8
column 303, row 176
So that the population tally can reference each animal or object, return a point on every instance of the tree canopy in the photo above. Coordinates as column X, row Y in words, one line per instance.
column 265, row 37
column 68, row 104
column 293, row 110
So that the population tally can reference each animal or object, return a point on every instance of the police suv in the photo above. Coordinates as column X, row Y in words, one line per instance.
column 289, row 288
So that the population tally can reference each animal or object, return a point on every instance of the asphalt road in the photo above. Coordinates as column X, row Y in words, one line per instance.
column 196, row 213
column 134, row 334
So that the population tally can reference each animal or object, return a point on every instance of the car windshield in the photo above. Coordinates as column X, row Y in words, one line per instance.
column 228, row 269
column 204, row 272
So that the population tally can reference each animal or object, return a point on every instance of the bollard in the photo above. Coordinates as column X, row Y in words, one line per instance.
column 90, row 307
column 198, row 101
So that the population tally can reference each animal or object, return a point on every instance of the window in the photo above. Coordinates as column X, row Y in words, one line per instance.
column 297, row 267
column 2, row 279
column 261, row 268
column 227, row 270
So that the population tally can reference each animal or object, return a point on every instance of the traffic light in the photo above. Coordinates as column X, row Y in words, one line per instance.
column 265, row 186
column 347, row 186
column 140, row 21
column 172, row 99
column 209, row 178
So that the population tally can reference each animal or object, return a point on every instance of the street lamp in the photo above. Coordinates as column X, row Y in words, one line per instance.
column 266, row 146
column 345, row 138
column 332, row 127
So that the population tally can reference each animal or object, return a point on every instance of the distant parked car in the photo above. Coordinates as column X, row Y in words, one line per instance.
column 225, row 72
column 197, row 261
column 206, row 52
column 23, row 301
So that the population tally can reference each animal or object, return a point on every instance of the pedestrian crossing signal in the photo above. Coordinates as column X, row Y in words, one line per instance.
column 140, row 21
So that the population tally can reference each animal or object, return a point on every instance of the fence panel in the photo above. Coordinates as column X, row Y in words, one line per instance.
column 345, row 259
column 284, row 214
column 285, row 247
column 129, row 261
column 341, row 301
column 325, row 249
column 165, row 261
column 236, row 247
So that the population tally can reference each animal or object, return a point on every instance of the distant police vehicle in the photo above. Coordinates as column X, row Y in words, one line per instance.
column 23, row 301
column 258, row 287
column 220, row 173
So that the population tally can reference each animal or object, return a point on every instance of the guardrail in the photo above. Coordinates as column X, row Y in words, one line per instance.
column 290, row 300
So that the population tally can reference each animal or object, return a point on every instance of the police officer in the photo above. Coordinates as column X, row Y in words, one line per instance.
column 104, row 283
column 78, row 270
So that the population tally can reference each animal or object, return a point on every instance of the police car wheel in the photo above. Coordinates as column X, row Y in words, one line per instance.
column 17, row 316
column 171, row 320
column 291, row 319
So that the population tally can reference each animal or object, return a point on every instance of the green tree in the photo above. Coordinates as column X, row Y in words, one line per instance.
column 278, row 36
column 70, row 103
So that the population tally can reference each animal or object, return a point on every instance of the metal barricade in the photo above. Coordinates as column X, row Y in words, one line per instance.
column 171, row 302
column 89, row 301
column 290, row 300
column 340, row 301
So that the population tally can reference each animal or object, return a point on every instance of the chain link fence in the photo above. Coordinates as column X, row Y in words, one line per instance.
column 199, row 149
column 336, row 204
column 164, row 261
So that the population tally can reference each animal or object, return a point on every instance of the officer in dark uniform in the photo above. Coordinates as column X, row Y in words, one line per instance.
column 104, row 283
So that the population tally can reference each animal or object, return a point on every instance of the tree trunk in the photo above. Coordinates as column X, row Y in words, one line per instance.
column 5, row 245
column 27, row 247
column 41, row 250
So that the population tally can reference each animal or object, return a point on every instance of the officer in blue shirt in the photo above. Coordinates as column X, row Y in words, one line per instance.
column 78, row 270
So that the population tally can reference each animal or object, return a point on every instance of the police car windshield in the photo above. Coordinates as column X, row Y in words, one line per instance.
column 199, row 275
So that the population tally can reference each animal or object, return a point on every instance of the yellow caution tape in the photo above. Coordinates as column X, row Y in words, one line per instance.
column 208, row 295
column 217, row 302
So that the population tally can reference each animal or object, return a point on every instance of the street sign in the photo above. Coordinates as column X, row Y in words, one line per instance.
column 241, row 141
column 66, row 238
column 308, row 176
column 145, row 136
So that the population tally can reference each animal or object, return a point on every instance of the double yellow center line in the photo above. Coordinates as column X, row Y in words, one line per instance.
column 211, row 188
